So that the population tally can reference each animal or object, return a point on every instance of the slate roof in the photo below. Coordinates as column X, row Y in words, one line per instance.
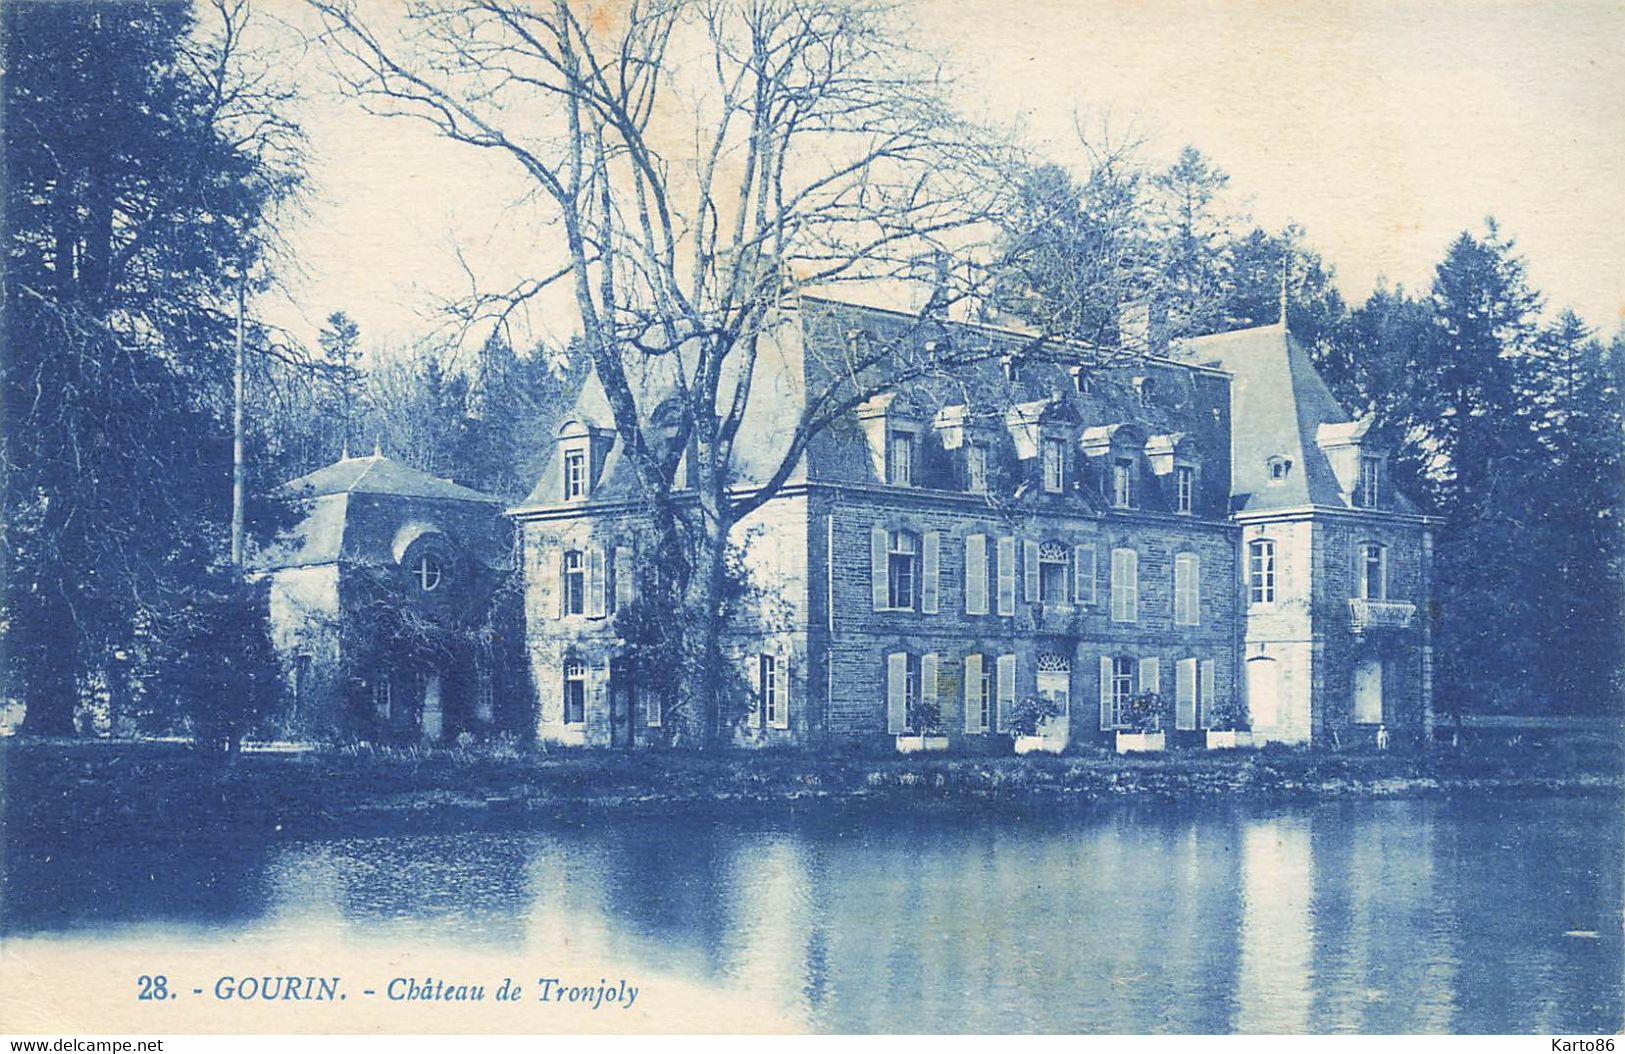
column 328, row 498
column 1278, row 403
column 787, row 366
column 377, row 474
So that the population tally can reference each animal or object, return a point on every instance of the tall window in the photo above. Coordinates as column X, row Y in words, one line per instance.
column 575, row 693
column 1125, row 585
column 904, row 550
column 575, row 582
column 768, row 674
column 1184, row 489
column 1370, row 481
column 575, row 474
column 1373, row 571
column 1054, row 466
column 1123, row 483
column 900, row 460
column 1122, row 688
column 382, row 695
column 976, row 468
column 1053, row 572
column 1261, row 571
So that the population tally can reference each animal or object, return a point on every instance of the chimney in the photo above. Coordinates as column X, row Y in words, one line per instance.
column 1142, row 327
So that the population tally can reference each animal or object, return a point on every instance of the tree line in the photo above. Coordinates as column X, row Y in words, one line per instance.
column 152, row 161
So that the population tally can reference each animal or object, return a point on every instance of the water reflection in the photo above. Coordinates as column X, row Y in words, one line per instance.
column 1365, row 917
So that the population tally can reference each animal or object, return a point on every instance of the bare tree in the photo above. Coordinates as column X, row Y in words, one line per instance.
column 704, row 161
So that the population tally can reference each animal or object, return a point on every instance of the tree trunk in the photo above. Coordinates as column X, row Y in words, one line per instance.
column 704, row 604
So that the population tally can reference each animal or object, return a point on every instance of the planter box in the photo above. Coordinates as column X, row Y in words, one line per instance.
column 1039, row 745
column 921, row 744
column 1141, row 742
column 1228, row 739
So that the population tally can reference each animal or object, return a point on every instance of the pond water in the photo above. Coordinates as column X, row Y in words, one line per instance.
column 1374, row 916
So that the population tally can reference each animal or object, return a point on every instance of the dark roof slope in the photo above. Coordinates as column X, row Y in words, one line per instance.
column 1278, row 403
column 377, row 474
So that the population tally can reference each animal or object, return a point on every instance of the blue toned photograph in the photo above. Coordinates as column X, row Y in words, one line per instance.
column 812, row 516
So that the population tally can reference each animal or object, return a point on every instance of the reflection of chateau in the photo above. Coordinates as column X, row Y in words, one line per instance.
column 1206, row 523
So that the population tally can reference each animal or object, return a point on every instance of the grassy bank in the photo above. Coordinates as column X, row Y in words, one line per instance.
column 75, row 789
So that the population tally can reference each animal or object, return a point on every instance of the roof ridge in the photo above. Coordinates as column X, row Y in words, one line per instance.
column 354, row 483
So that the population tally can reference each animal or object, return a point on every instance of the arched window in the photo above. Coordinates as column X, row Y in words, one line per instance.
column 1053, row 566
column 1279, row 467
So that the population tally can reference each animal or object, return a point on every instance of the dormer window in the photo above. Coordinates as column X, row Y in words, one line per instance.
column 575, row 474
column 1080, row 380
column 1011, row 371
column 976, row 468
column 900, row 460
column 1279, row 468
column 1184, row 489
column 1123, row 483
column 1370, row 491
column 1146, row 387
column 1054, row 466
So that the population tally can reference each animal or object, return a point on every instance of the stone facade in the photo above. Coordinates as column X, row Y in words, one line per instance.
column 1080, row 534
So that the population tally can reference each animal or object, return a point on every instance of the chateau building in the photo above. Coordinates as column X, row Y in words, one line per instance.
column 1205, row 523
column 385, row 604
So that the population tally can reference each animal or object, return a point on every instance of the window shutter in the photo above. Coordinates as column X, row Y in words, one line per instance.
column 1105, row 692
column 595, row 587
column 1029, row 568
column 1007, row 576
column 973, row 693
column 930, row 559
column 623, row 577
column 753, row 676
column 976, row 574
column 877, row 567
column 1125, row 585
column 1083, row 574
column 600, row 689
column 928, row 679
column 1150, row 675
column 553, row 581
column 1204, row 698
column 1006, row 671
column 651, row 707
column 781, row 693
column 1187, row 589
column 896, row 703
column 1185, row 695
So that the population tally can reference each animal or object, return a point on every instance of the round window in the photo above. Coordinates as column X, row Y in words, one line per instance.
column 428, row 572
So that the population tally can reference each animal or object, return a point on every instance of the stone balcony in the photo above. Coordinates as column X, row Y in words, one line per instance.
column 1058, row 619
column 1380, row 614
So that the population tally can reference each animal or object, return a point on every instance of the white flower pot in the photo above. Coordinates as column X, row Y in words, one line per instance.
column 1039, row 745
column 921, row 744
column 1141, row 742
column 1229, row 739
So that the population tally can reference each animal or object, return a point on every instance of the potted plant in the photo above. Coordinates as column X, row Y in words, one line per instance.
column 1223, row 727
column 928, row 732
column 1144, row 730
column 1026, row 719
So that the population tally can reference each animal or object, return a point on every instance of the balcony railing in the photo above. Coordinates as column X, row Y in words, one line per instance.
column 1380, row 614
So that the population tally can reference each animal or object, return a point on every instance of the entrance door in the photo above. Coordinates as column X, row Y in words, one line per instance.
column 1368, row 692
column 622, row 692
column 1055, row 684
column 433, row 714
column 1263, row 693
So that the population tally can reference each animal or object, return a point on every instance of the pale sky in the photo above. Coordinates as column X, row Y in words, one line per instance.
column 1384, row 129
